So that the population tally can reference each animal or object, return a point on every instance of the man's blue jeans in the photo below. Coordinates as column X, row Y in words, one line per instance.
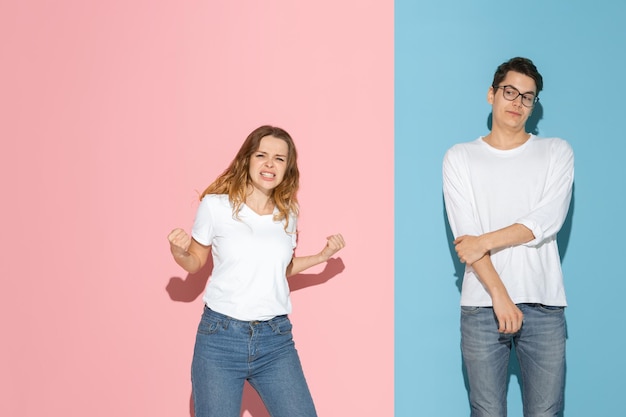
column 540, row 348
column 229, row 352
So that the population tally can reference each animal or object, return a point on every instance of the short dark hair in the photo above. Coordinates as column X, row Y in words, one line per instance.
column 523, row 66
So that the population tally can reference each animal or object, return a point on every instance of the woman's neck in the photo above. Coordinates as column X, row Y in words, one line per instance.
column 260, row 202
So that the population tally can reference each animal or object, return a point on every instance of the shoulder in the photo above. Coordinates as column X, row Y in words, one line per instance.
column 215, row 201
column 292, row 227
column 554, row 145
column 293, row 222
column 462, row 150
column 215, row 198
column 465, row 146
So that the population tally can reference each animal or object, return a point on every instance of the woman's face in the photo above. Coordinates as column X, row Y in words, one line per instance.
column 268, row 164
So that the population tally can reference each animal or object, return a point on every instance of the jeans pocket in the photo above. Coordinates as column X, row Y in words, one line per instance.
column 208, row 326
column 470, row 309
column 551, row 309
column 282, row 326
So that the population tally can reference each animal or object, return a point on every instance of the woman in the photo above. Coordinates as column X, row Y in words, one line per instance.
column 247, row 220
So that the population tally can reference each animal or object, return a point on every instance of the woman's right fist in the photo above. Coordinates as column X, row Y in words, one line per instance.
column 179, row 241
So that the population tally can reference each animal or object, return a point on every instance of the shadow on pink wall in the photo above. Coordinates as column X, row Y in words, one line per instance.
column 188, row 289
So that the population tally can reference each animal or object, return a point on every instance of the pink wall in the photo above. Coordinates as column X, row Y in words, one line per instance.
column 112, row 116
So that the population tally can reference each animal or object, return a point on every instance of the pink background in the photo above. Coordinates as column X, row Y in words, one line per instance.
column 113, row 115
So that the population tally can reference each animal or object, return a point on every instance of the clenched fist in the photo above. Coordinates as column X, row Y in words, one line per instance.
column 333, row 245
column 179, row 241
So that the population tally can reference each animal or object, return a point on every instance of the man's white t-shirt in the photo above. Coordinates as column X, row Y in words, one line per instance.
column 486, row 189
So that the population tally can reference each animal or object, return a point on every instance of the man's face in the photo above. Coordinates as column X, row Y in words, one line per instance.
column 512, row 114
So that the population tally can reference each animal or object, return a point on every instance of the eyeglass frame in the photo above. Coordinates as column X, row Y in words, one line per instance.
column 519, row 93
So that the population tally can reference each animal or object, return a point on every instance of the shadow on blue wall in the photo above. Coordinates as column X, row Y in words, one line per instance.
column 532, row 124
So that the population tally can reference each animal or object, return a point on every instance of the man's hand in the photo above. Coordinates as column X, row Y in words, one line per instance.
column 469, row 248
column 510, row 317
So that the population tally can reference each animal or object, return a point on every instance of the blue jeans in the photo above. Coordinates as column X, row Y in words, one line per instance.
column 229, row 352
column 540, row 348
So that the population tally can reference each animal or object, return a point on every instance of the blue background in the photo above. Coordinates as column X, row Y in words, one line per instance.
column 445, row 55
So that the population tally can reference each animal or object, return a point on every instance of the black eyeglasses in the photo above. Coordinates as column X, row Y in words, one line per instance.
column 510, row 93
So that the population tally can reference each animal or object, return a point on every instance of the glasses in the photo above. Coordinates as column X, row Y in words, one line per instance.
column 511, row 93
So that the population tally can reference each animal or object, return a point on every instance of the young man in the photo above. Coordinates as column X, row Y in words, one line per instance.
column 507, row 195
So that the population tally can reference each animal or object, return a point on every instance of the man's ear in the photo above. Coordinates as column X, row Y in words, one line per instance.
column 490, row 95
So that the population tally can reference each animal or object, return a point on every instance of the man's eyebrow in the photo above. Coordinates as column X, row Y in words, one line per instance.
column 527, row 92
column 520, row 91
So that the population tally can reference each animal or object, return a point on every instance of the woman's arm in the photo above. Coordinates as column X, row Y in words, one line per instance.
column 301, row 263
column 187, row 253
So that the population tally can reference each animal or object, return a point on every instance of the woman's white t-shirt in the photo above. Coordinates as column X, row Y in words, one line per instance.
column 250, row 257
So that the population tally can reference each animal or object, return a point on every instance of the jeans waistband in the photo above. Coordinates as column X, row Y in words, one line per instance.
column 253, row 322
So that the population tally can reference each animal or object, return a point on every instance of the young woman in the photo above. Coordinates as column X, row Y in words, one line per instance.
column 247, row 221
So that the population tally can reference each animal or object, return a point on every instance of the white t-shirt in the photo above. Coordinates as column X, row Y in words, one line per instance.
column 486, row 189
column 250, row 258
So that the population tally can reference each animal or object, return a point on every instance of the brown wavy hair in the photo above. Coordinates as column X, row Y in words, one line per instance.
column 235, row 179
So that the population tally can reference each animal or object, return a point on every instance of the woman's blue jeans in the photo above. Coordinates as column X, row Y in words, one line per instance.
column 229, row 352
column 540, row 348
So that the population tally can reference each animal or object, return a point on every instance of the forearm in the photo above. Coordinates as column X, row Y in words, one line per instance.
column 513, row 235
column 191, row 259
column 508, row 315
column 302, row 263
column 489, row 278
column 334, row 243
column 472, row 248
column 188, row 261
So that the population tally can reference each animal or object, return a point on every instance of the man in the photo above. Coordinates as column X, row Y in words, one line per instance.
column 507, row 195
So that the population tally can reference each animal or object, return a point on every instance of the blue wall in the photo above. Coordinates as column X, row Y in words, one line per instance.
column 446, row 53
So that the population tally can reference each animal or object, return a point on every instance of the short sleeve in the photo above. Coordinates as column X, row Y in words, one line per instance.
column 203, row 226
column 292, row 229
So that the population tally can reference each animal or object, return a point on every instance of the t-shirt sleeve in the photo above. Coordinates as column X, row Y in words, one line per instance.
column 549, row 215
column 293, row 230
column 203, row 226
column 457, row 194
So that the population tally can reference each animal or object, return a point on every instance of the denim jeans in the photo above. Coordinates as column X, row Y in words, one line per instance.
column 540, row 348
column 229, row 351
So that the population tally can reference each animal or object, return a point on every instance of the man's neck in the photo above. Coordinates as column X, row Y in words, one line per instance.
column 506, row 140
